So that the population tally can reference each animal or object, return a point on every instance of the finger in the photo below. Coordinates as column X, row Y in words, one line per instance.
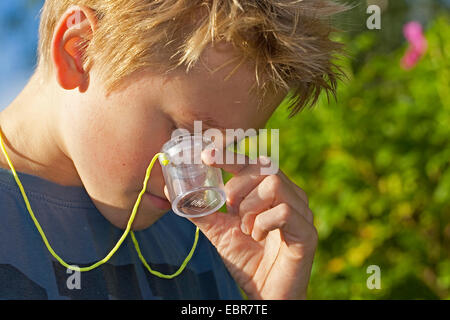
column 235, row 163
column 299, row 191
column 269, row 193
column 240, row 185
column 218, row 226
column 232, row 162
column 247, row 174
column 294, row 226
column 277, row 217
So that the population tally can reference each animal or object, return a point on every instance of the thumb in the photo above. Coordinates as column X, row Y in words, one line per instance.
column 214, row 226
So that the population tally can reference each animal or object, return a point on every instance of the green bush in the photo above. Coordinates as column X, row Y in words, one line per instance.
column 375, row 165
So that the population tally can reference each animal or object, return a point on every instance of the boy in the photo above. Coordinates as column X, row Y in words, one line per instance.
column 143, row 69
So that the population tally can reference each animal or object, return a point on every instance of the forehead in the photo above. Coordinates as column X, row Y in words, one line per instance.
column 217, row 90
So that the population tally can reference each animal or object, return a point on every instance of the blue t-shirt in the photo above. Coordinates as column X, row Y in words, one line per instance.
column 81, row 236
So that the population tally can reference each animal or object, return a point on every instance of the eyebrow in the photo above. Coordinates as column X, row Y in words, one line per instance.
column 207, row 122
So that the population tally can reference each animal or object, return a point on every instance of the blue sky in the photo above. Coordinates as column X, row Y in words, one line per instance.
column 19, row 23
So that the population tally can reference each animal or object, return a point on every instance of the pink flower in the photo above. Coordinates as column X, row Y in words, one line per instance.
column 417, row 44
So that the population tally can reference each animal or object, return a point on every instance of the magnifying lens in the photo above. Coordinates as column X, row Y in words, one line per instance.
column 195, row 189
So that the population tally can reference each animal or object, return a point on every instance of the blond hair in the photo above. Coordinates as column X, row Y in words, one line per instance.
column 288, row 41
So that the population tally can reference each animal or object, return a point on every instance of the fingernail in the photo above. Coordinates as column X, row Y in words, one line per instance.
column 210, row 155
column 244, row 229
column 265, row 160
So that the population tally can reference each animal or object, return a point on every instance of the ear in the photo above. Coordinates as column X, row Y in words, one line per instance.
column 73, row 30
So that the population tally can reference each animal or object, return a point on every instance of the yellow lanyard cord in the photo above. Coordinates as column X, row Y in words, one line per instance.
column 122, row 238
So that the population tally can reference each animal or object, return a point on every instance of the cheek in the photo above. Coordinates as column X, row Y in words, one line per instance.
column 112, row 153
column 101, row 160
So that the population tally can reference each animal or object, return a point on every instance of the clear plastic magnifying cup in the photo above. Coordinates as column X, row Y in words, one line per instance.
column 195, row 189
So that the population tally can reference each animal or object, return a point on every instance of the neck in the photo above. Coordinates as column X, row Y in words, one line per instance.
column 31, row 135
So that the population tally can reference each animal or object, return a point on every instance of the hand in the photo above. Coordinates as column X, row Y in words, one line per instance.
column 267, row 239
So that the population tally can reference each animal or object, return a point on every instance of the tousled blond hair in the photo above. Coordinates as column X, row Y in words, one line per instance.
column 288, row 41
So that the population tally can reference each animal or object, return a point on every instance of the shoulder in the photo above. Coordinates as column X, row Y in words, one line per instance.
column 8, row 193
